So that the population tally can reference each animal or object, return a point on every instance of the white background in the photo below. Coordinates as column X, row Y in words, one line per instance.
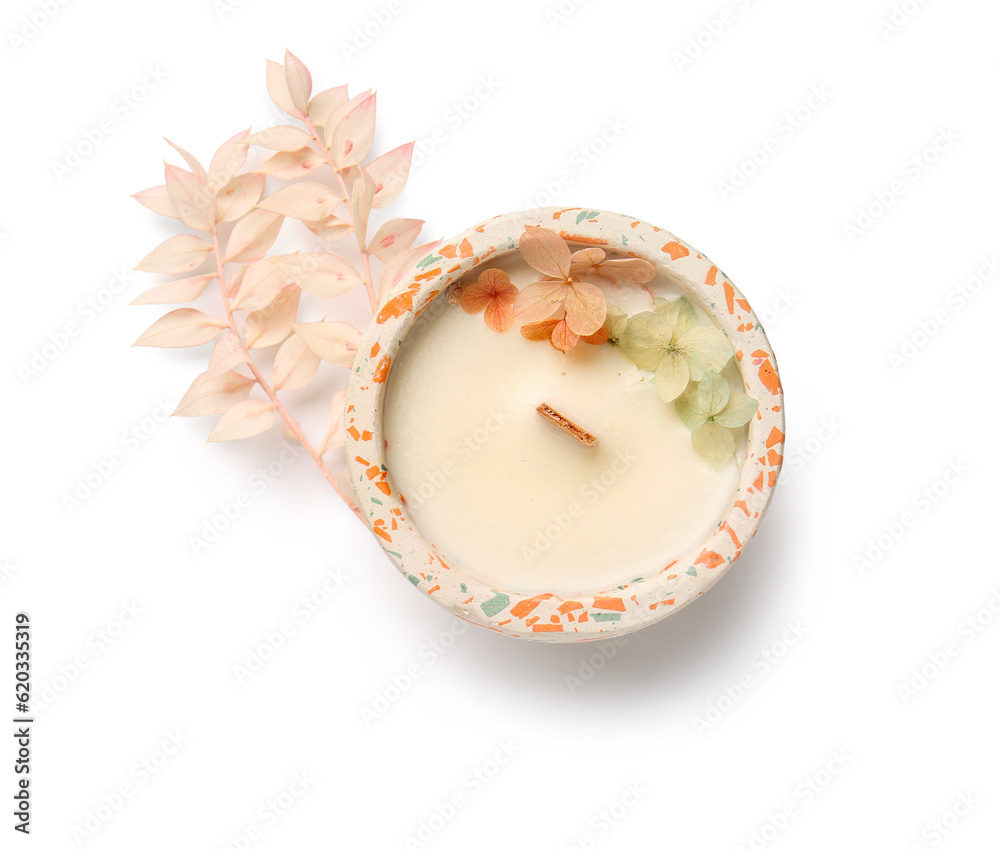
column 731, row 726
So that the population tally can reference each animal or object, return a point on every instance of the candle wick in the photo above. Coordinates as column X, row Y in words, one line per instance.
column 567, row 426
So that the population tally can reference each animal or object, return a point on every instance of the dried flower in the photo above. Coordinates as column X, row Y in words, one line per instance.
column 672, row 342
column 593, row 262
column 709, row 409
column 492, row 294
column 581, row 306
column 557, row 331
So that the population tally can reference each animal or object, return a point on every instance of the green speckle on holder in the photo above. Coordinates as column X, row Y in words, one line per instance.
column 428, row 260
column 465, row 589
column 413, row 579
column 692, row 571
column 606, row 617
column 495, row 605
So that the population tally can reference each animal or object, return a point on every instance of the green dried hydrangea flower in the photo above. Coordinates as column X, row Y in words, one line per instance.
column 672, row 342
column 710, row 408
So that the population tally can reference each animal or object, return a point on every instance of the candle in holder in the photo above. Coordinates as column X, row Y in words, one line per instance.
column 586, row 459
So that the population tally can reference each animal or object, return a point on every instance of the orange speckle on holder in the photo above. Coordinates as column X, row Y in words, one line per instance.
column 676, row 250
column 382, row 370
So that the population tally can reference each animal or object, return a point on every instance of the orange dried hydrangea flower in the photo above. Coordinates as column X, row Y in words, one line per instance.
column 493, row 295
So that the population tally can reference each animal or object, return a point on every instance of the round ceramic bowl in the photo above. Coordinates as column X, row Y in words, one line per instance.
column 548, row 616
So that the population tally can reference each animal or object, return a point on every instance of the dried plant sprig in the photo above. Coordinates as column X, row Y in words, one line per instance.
column 261, row 294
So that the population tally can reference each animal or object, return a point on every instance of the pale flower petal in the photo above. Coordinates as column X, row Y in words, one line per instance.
column 738, row 411
column 672, row 376
column 545, row 251
column 646, row 339
column 706, row 348
column 540, row 300
column 586, row 308
column 713, row 393
column 714, row 444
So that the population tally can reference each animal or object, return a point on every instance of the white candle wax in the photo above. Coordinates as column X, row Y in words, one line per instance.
column 515, row 501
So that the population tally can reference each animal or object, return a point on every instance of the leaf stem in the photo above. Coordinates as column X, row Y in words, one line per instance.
column 365, row 256
column 272, row 394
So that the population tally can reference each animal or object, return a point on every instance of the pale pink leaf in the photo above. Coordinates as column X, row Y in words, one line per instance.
column 253, row 235
column 334, row 437
column 545, row 251
column 295, row 364
column 246, row 419
column 323, row 105
column 299, row 82
column 277, row 88
column 353, row 136
column 227, row 161
column 196, row 167
column 362, row 193
column 338, row 114
column 283, row 137
column 540, row 300
column 398, row 267
column 269, row 326
column 234, row 280
column 157, row 199
column 176, row 291
column 177, row 254
column 395, row 236
column 289, row 165
column 191, row 197
column 211, row 394
column 227, row 354
column 183, row 328
column 262, row 282
column 335, row 342
column 389, row 173
column 322, row 275
column 304, row 200
column 331, row 229
column 239, row 196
